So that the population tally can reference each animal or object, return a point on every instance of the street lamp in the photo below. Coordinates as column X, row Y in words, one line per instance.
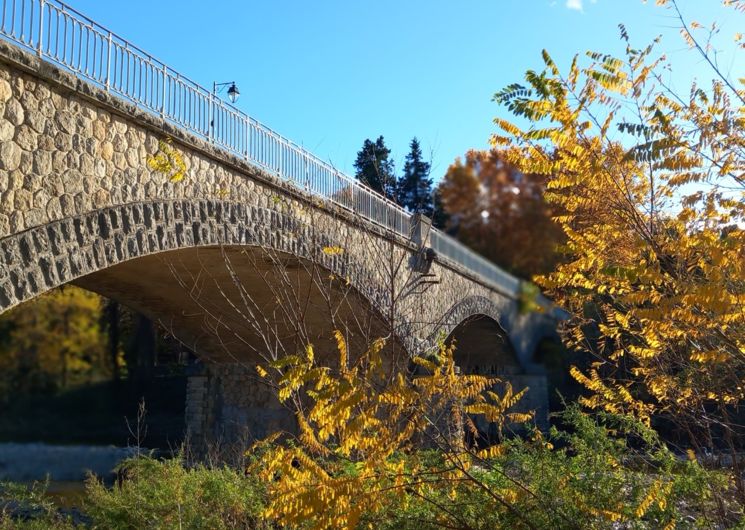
column 233, row 91
column 233, row 94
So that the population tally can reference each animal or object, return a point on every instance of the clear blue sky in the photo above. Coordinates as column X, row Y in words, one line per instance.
column 329, row 74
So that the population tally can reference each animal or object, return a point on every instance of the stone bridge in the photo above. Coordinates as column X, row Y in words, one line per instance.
column 218, row 256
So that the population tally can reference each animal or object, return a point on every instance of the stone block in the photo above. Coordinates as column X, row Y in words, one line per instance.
column 10, row 156
column 14, row 112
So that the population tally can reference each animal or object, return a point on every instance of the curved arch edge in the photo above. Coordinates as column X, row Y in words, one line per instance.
column 48, row 256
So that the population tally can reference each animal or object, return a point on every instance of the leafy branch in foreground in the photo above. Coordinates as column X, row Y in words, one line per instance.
column 358, row 426
column 649, row 185
column 361, row 457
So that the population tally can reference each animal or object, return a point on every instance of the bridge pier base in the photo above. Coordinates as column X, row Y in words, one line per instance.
column 229, row 406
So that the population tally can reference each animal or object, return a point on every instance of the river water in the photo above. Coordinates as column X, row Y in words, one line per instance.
column 66, row 467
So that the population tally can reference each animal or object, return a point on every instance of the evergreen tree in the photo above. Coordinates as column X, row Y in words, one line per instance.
column 374, row 169
column 415, row 185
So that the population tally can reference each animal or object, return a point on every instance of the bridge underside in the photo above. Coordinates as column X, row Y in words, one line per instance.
column 235, row 307
column 240, row 304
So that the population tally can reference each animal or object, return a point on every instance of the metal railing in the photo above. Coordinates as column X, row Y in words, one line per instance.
column 62, row 35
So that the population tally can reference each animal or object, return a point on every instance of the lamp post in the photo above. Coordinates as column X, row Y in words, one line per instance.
column 233, row 91
column 233, row 94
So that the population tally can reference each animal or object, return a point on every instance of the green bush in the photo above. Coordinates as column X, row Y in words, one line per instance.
column 164, row 494
column 29, row 508
column 599, row 472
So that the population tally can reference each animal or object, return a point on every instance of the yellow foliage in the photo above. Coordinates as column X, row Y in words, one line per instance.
column 55, row 340
column 168, row 161
column 363, row 416
column 652, row 204
column 333, row 250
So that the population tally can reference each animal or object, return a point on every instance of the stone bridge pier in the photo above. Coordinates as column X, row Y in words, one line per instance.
column 229, row 246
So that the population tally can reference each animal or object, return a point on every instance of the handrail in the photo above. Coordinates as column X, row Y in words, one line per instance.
column 60, row 34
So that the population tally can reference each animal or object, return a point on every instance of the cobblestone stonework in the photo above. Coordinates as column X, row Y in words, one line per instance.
column 77, row 197
column 242, row 407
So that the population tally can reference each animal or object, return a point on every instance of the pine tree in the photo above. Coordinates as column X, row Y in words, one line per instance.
column 415, row 185
column 374, row 169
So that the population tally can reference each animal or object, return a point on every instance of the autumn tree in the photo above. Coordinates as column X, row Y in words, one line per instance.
column 414, row 187
column 53, row 342
column 375, row 169
column 650, row 183
column 500, row 212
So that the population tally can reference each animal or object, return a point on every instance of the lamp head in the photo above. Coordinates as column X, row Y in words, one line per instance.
column 233, row 93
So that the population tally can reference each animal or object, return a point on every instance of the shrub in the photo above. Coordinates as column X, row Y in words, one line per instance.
column 28, row 508
column 604, row 471
column 157, row 494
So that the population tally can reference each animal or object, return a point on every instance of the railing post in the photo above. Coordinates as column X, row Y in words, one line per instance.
column 108, row 62
column 280, row 154
column 39, row 49
column 247, row 133
column 163, row 95
column 211, row 130
column 305, row 171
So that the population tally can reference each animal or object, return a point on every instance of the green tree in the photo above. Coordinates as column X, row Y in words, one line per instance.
column 375, row 169
column 414, row 188
column 440, row 216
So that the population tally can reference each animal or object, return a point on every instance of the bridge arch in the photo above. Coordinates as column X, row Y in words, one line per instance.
column 487, row 337
column 482, row 346
column 96, row 249
column 474, row 306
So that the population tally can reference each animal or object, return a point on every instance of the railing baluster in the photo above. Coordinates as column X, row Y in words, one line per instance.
column 247, row 133
column 211, row 124
column 163, row 93
column 41, row 28
column 108, row 62
column 13, row 22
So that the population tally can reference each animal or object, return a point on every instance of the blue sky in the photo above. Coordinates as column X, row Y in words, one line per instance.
column 329, row 74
